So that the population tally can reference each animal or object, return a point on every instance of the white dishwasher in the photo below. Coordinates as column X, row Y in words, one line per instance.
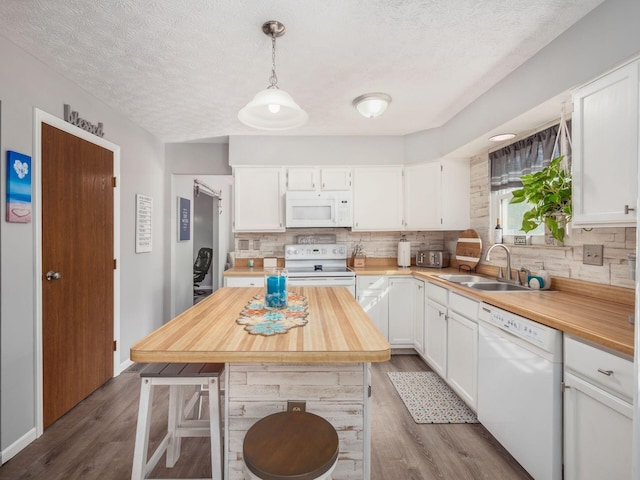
column 520, row 389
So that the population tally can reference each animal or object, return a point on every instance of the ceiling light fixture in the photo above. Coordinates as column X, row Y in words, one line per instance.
column 502, row 137
column 372, row 105
column 272, row 108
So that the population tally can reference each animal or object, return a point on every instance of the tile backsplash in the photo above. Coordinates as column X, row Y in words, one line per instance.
column 375, row 244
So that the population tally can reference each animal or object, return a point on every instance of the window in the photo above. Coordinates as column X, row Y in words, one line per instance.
column 508, row 164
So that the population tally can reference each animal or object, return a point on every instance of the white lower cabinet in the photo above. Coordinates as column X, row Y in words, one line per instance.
column 462, row 348
column 419, row 316
column 597, row 413
column 372, row 294
column 401, row 311
column 244, row 281
column 435, row 344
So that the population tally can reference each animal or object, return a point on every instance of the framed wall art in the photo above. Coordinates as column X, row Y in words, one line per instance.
column 18, row 187
column 184, row 219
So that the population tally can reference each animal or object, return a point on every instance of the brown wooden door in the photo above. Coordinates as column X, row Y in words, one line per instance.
column 77, row 243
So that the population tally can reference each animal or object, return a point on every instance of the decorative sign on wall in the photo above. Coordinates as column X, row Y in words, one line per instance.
column 74, row 119
column 184, row 219
column 144, row 209
column 18, row 187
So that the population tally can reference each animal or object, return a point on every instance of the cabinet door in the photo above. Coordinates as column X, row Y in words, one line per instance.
column 335, row 178
column 462, row 357
column 302, row 178
column 419, row 316
column 401, row 312
column 244, row 281
column 376, row 304
column 605, row 150
column 456, row 200
column 436, row 338
column 377, row 198
column 597, row 432
column 422, row 195
column 258, row 200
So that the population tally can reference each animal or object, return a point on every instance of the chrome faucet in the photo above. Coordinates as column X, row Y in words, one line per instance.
column 488, row 257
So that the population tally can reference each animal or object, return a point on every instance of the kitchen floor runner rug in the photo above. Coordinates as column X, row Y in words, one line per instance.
column 429, row 399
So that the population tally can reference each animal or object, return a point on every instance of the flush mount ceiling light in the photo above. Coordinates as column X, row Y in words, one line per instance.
column 372, row 105
column 502, row 137
column 272, row 108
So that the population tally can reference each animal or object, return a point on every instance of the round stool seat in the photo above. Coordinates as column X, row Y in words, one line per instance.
column 290, row 445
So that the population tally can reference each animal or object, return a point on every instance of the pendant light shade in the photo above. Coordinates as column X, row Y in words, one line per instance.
column 372, row 105
column 272, row 108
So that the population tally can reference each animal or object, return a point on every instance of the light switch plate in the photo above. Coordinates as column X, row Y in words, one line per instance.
column 593, row 255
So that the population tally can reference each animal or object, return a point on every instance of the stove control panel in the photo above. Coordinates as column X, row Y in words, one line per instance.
column 315, row 252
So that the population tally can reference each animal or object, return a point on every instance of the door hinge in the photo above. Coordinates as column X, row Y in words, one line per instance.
column 115, row 264
column 115, row 346
column 114, row 182
column 441, row 168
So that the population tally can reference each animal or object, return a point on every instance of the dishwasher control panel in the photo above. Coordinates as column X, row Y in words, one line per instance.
column 533, row 332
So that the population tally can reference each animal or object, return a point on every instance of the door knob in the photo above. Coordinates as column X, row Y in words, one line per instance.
column 51, row 275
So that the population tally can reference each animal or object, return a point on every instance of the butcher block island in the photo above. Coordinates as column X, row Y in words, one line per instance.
column 324, row 363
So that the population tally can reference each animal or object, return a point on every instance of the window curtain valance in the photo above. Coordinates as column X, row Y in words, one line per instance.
column 525, row 156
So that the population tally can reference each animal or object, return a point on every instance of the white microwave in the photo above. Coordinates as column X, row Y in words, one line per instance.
column 319, row 209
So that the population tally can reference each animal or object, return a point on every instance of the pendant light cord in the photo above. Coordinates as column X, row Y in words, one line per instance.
column 273, row 80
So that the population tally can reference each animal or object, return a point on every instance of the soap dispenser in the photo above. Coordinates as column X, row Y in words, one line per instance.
column 546, row 278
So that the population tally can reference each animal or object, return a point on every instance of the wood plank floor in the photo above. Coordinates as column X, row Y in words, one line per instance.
column 94, row 441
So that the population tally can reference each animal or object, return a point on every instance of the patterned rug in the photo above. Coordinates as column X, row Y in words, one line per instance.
column 429, row 399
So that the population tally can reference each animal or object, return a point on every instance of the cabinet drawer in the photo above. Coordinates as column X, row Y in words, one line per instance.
column 244, row 282
column 437, row 293
column 371, row 282
column 463, row 305
column 605, row 369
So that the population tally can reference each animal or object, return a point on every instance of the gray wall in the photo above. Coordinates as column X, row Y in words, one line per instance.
column 26, row 83
column 335, row 150
column 604, row 38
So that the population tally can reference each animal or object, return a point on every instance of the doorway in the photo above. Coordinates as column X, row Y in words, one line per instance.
column 206, row 239
column 77, row 282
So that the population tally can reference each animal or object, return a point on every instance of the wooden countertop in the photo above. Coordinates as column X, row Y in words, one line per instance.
column 338, row 331
column 603, row 322
column 594, row 312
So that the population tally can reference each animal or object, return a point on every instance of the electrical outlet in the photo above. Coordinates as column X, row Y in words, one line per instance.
column 243, row 244
column 293, row 406
column 256, row 244
column 593, row 255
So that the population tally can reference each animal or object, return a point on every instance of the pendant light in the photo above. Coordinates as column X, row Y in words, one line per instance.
column 372, row 105
column 272, row 108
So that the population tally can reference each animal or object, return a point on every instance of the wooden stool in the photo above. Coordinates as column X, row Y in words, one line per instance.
column 180, row 422
column 290, row 445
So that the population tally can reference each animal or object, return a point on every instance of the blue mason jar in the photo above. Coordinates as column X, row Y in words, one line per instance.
column 275, row 280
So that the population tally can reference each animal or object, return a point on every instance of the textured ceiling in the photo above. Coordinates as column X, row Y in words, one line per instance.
column 183, row 68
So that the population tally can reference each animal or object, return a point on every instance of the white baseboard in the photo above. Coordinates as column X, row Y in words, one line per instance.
column 123, row 366
column 17, row 446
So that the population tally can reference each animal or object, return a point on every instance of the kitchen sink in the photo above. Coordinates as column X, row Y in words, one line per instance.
column 486, row 284
column 498, row 287
column 465, row 278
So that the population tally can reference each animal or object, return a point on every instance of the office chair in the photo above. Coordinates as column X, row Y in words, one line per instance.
column 201, row 265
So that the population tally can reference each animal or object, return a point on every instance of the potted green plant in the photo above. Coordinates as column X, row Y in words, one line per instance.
column 549, row 193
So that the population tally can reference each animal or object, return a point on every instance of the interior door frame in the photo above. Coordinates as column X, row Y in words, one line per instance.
column 40, row 117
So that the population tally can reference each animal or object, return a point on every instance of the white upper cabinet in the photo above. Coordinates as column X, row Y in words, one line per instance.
column 377, row 198
column 605, row 150
column 258, row 199
column 437, row 195
column 422, row 196
column 313, row 178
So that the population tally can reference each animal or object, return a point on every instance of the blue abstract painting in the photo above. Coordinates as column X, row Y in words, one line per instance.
column 18, row 187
